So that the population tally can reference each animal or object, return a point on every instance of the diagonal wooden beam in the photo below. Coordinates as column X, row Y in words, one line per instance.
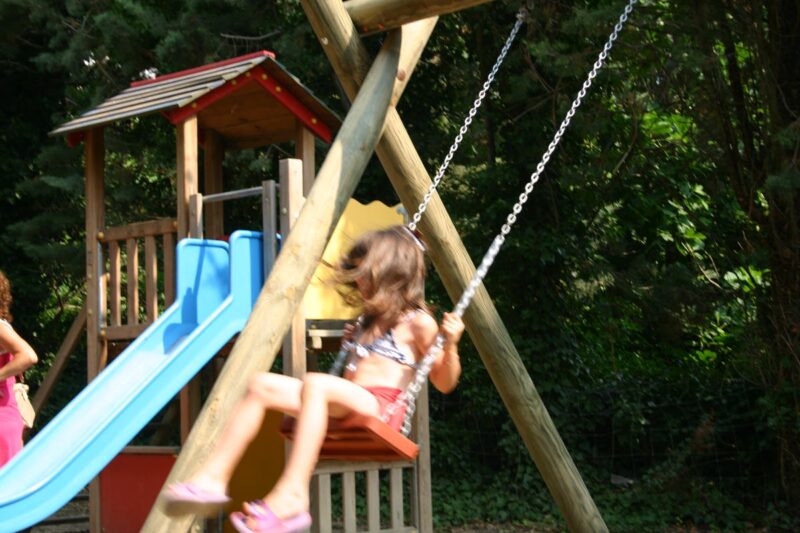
column 411, row 181
column 60, row 361
column 379, row 15
column 259, row 342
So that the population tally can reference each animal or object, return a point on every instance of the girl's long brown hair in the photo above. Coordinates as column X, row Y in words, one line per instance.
column 391, row 265
column 5, row 297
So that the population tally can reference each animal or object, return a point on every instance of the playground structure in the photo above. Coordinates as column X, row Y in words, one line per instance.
column 276, row 321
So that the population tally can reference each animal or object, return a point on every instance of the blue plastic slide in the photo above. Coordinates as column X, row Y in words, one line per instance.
column 217, row 286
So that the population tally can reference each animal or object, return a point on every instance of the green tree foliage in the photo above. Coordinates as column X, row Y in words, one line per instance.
column 650, row 285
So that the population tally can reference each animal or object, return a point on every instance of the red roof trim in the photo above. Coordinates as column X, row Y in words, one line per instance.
column 173, row 75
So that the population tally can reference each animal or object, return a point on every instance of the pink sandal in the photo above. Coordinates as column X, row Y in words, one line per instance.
column 267, row 522
column 188, row 498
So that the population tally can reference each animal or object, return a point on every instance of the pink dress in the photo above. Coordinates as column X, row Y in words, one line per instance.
column 11, row 425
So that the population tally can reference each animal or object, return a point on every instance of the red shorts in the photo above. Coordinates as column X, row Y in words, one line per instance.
column 386, row 396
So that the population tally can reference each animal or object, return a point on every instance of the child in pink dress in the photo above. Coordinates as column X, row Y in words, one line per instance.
column 385, row 272
column 16, row 356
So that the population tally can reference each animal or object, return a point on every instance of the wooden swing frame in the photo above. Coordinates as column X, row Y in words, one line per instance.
column 373, row 124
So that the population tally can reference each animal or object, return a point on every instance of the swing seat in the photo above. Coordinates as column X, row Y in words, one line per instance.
column 360, row 438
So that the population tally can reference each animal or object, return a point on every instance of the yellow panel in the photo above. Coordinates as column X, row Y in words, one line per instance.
column 321, row 301
column 260, row 467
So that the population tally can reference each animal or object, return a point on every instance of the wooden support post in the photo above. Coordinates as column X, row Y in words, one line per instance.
column 291, row 201
column 379, row 15
column 115, row 283
column 132, row 269
column 186, row 183
column 214, row 154
column 151, row 278
column 95, row 223
column 168, row 244
column 422, row 495
column 196, row 227
column 269, row 223
column 256, row 347
column 487, row 331
column 186, row 175
column 304, row 151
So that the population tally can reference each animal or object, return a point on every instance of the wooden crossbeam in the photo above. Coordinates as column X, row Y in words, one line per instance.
column 484, row 325
column 371, row 16
column 261, row 338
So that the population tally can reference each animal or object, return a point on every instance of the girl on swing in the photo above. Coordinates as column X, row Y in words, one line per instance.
column 384, row 275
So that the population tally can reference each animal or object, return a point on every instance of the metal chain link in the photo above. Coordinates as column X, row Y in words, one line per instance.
column 409, row 396
column 488, row 259
column 467, row 121
column 415, row 386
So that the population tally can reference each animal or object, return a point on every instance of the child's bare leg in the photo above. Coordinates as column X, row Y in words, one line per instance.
column 322, row 396
column 265, row 391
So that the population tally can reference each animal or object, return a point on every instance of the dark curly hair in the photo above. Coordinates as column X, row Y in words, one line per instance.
column 5, row 297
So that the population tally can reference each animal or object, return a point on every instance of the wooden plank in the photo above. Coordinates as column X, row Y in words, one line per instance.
column 269, row 223
column 95, row 220
column 349, row 502
column 60, row 362
column 259, row 342
column 151, row 278
column 256, row 104
column 132, row 269
column 321, row 504
column 186, row 172
column 115, row 284
column 396, row 497
column 339, row 467
column 168, row 243
column 373, row 501
column 125, row 332
column 138, row 230
column 253, row 97
column 291, row 201
column 422, row 508
column 196, row 215
column 272, row 127
column 290, row 172
column 487, row 331
column 189, row 397
column 152, row 450
column 380, row 15
column 304, row 151
column 258, row 140
column 212, row 165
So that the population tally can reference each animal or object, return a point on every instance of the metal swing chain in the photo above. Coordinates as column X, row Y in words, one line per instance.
column 422, row 372
column 341, row 358
column 468, row 120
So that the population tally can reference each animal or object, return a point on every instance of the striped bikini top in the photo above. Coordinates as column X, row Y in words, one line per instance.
column 385, row 346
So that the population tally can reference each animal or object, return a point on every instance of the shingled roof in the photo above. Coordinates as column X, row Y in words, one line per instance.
column 181, row 94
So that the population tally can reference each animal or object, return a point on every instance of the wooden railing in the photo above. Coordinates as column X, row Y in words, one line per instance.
column 122, row 245
column 368, row 473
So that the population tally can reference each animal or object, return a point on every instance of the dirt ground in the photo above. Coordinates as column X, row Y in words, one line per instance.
column 493, row 528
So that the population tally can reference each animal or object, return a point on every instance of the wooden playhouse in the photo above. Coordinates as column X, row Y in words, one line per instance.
column 245, row 102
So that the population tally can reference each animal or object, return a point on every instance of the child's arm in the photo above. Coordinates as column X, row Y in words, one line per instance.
column 447, row 368
column 24, row 356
